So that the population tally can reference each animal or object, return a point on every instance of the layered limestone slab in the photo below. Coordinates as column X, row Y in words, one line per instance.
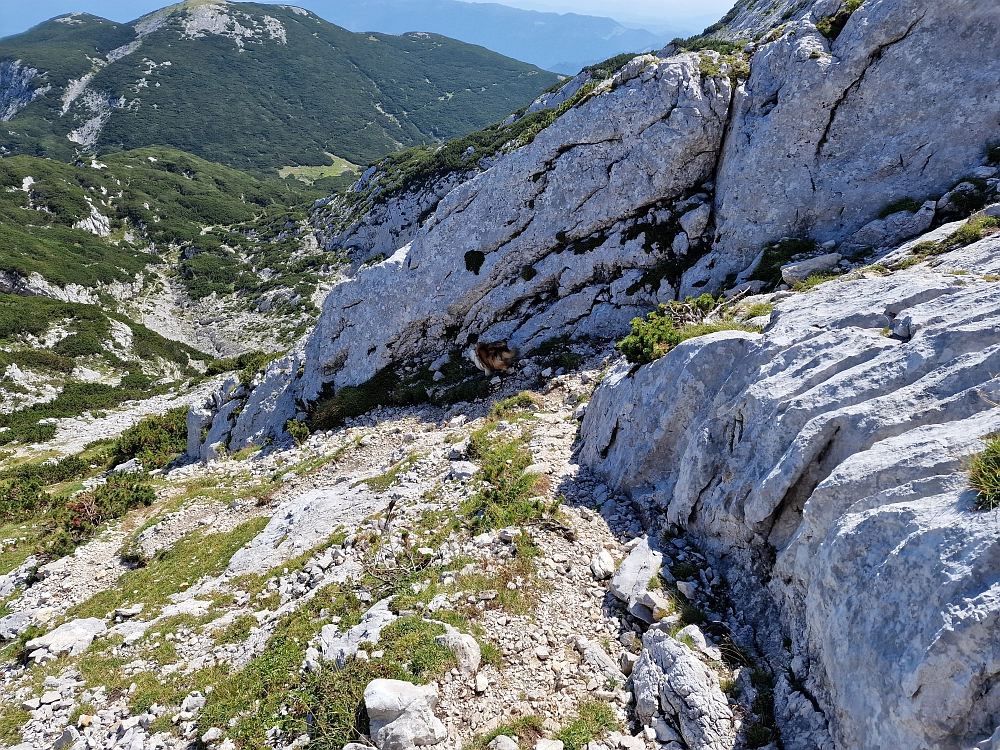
column 836, row 444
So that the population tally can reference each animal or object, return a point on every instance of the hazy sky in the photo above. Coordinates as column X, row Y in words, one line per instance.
column 17, row 16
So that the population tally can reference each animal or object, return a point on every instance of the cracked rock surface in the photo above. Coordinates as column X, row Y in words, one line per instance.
column 828, row 455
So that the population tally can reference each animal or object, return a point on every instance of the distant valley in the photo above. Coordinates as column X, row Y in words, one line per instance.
column 564, row 43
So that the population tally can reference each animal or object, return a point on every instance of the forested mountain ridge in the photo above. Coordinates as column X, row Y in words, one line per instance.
column 258, row 87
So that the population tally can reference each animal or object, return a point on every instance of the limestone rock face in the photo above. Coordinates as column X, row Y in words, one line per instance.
column 824, row 135
column 667, row 182
column 386, row 226
column 651, row 138
column 840, row 453
column 550, row 236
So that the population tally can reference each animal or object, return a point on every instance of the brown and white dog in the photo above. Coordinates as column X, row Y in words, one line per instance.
column 493, row 357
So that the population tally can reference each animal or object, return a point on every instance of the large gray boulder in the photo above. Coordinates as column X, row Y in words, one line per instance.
column 72, row 638
column 464, row 647
column 337, row 647
column 669, row 680
column 402, row 715
column 632, row 578
column 831, row 458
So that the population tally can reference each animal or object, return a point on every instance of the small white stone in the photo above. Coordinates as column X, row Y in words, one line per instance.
column 212, row 735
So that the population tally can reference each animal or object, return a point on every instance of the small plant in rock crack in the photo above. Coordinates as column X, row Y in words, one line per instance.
column 984, row 474
column 664, row 329
column 299, row 431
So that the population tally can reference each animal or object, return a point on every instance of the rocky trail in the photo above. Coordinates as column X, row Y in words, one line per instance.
column 137, row 639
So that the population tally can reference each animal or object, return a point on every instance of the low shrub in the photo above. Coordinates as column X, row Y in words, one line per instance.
column 759, row 309
column 248, row 364
column 521, row 402
column 155, row 441
column 831, row 26
column 984, row 474
column 657, row 334
column 106, row 502
column 298, row 430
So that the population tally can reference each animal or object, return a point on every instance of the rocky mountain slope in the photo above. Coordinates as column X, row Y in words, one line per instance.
column 713, row 170
column 154, row 237
column 638, row 193
column 296, row 89
column 750, row 524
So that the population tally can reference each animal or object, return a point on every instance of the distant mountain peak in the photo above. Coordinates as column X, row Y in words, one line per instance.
column 259, row 87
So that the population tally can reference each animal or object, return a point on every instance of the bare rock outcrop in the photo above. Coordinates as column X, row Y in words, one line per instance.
column 553, row 236
column 828, row 455
column 826, row 133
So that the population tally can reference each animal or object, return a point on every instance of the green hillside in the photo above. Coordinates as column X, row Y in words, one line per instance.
column 257, row 87
column 155, row 195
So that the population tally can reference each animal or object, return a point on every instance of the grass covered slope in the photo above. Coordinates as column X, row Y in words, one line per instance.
column 258, row 87
column 155, row 196
column 60, row 359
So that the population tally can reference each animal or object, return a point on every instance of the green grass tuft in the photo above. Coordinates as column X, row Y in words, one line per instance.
column 594, row 719
column 509, row 496
column 813, row 281
column 984, row 474
column 904, row 204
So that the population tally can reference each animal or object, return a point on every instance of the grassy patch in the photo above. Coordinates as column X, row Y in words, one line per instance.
column 270, row 691
column 384, row 481
column 970, row 232
column 904, row 204
column 11, row 720
column 759, row 309
column 813, row 281
column 508, row 407
column 526, row 730
column 594, row 719
column 171, row 570
column 238, row 630
column 309, row 175
column 509, row 496
column 984, row 474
